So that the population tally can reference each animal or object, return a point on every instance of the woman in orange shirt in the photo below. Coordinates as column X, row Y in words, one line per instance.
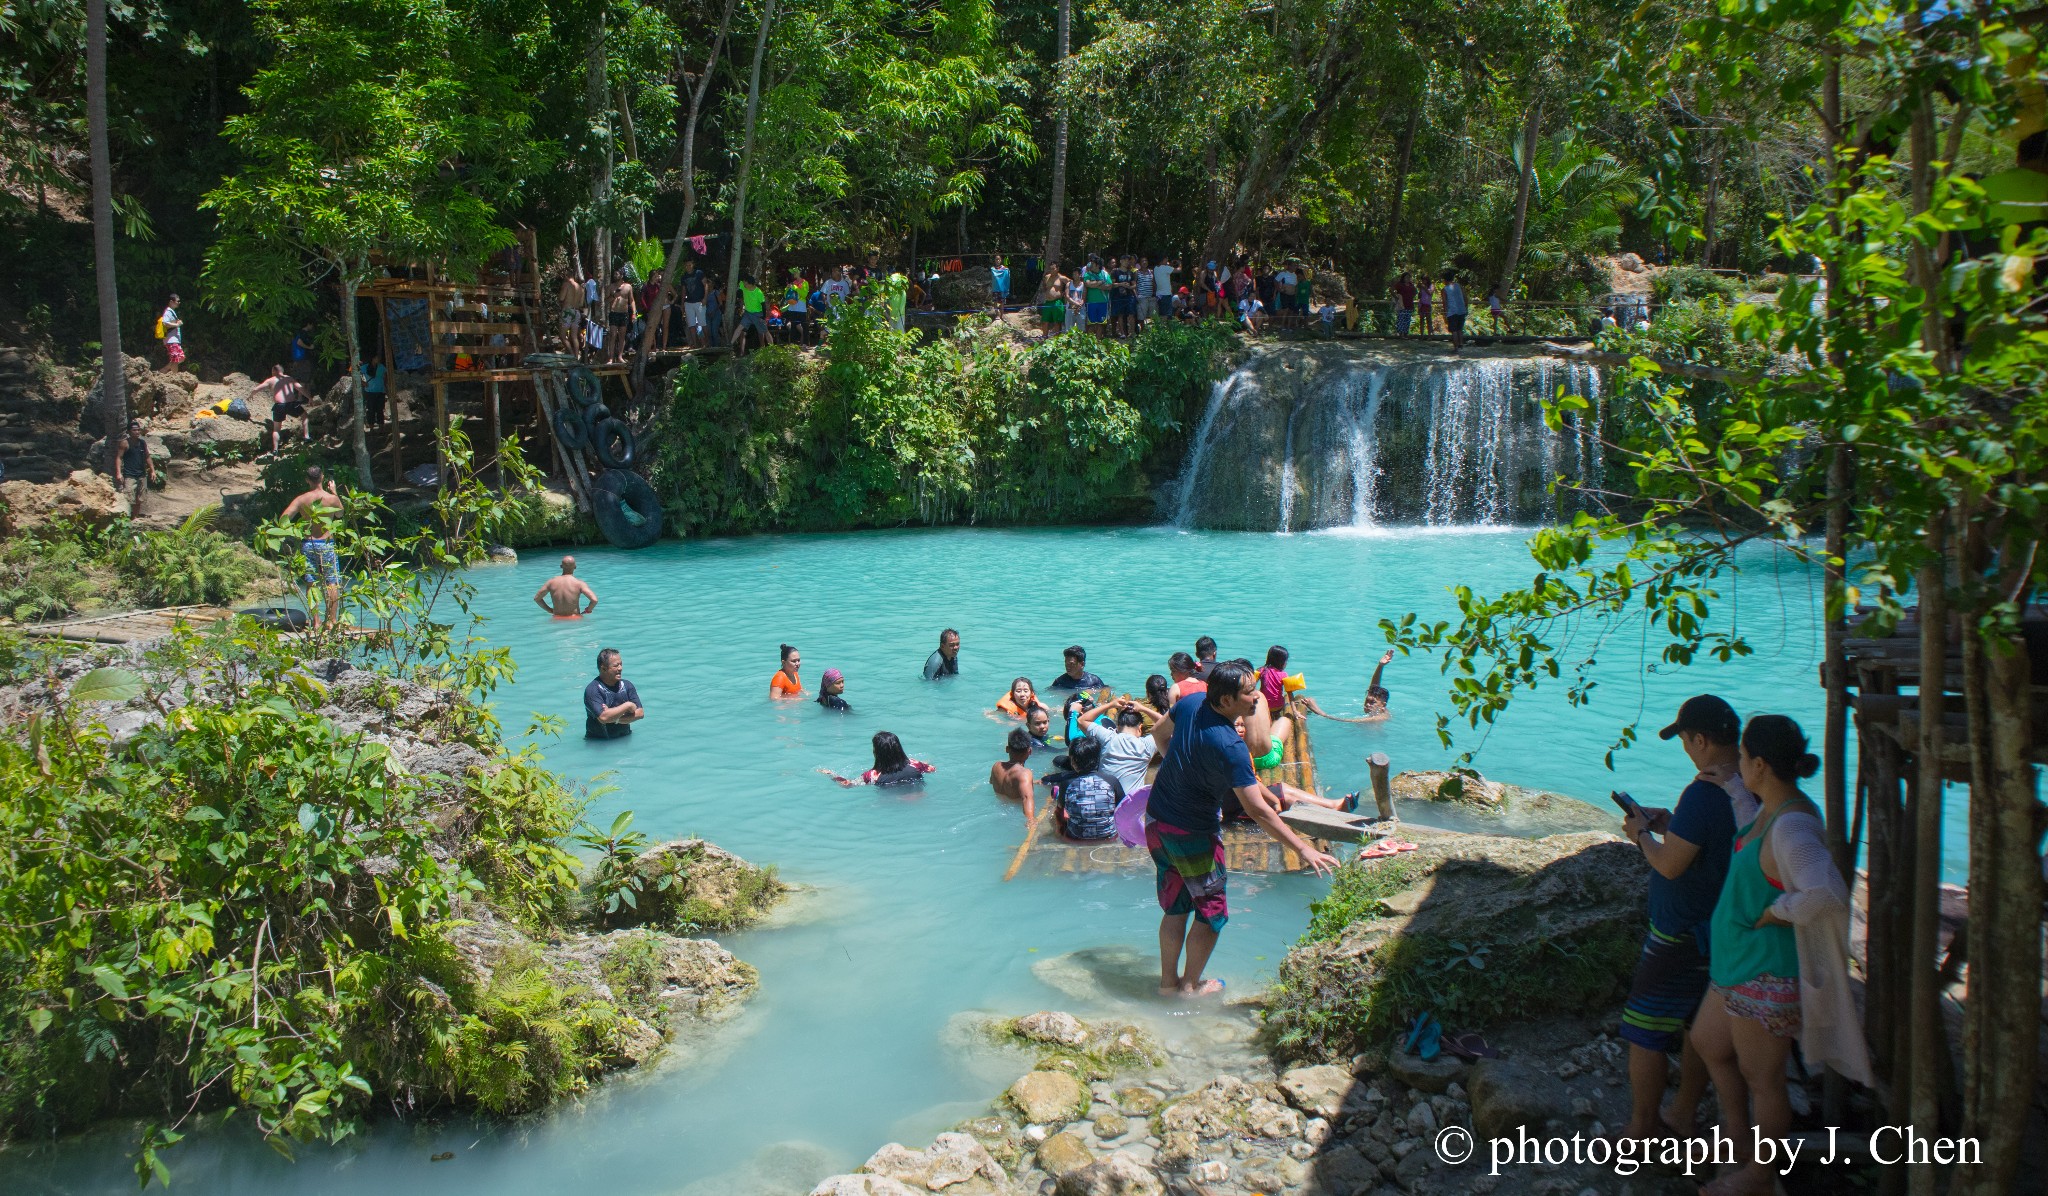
column 1021, row 698
column 785, row 683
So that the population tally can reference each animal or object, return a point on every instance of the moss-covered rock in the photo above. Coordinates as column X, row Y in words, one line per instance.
column 690, row 886
column 1476, row 928
column 1095, row 1050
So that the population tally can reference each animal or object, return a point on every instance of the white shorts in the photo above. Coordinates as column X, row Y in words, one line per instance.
column 693, row 313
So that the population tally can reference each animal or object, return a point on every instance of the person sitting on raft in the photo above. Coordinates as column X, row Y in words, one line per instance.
column 785, row 683
column 1085, row 804
column 1282, row 795
column 893, row 766
column 1019, row 701
column 1126, row 749
column 831, row 688
column 1186, row 679
column 1077, row 675
column 1011, row 777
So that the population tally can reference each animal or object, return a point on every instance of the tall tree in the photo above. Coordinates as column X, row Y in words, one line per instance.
column 1057, row 215
column 381, row 131
column 1525, row 164
column 113, row 381
column 739, row 202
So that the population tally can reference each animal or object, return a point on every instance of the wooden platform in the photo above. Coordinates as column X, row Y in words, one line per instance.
column 1246, row 847
column 128, row 627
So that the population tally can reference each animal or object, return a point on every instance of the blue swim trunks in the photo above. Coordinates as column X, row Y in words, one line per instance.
column 321, row 564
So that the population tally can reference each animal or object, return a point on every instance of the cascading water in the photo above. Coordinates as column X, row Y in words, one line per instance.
column 1338, row 435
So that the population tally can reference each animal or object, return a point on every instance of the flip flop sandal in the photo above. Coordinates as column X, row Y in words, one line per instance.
column 1350, row 805
column 1414, row 1040
column 1379, row 849
column 1404, row 845
column 1432, row 1040
column 1470, row 1046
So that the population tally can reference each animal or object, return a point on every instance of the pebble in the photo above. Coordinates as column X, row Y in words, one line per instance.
column 1301, row 1150
column 1581, row 1107
column 1456, row 1091
column 1422, row 1120
column 1406, row 1147
column 1211, row 1172
column 1035, row 1133
column 1316, row 1132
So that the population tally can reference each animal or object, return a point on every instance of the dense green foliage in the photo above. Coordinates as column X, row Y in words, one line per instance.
column 63, row 569
column 889, row 429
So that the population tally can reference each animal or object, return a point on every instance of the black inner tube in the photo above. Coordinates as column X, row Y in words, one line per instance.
column 571, row 430
column 584, row 386
column 614, row 432
column 626, row 508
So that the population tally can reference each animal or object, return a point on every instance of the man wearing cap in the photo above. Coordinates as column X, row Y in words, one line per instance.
column 1689, row 850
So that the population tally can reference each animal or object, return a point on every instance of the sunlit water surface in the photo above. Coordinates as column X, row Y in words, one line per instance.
column 908, row 921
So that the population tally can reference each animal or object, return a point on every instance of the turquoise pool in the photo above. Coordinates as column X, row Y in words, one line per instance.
column 909, row 922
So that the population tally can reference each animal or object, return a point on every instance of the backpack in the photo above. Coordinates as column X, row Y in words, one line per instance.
column 160, row 329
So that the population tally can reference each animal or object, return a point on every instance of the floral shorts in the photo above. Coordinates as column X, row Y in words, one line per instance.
column 321, row 565
column 1772, row 1000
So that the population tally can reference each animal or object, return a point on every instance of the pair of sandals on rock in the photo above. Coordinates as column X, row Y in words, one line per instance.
column 1426, row 1040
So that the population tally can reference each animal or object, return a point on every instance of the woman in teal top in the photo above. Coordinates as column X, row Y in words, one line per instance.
column 1781, row 876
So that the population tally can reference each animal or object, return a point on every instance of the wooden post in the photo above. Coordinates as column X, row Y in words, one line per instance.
column 1382, row 786
column 497, row 438
column 390, row 391
column 440, row 424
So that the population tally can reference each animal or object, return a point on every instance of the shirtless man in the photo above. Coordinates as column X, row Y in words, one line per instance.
column 1376, row 694
column 316, row 505
column 1012, row 777
column 563, row 596
column 288, row 401
column 618, row 317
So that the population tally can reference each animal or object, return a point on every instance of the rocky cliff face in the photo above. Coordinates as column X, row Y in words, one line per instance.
column 40, row 440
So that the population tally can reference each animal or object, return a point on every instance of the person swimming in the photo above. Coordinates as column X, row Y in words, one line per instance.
column 830, row 688
column 893, row 765
column 1020, row 700
column 1011, row 777
column 1076, row 675
column 786, row 683
column 1376, row 694
column 1038, row 724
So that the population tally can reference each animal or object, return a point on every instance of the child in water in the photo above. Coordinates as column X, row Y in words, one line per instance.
column 893, row 766
column 831, row 688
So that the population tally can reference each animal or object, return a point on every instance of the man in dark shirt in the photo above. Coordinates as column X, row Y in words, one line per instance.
column 1123, row 297
column 694, row 287
column 945, row 661
column 1687, row 869
column 1077, row 675
column 1203, row 762
column 610, row 703
column 1205, row 657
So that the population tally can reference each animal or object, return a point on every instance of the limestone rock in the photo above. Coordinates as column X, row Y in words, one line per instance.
column 1346, row 1169
column 83, row 497
column 1118, row 1175
column 694, row 886
column 997, row 1135
column 1319, row 1091
column 1270, row 1120
column 952, row 1158
column 1049, row 1097
column 1429, row 1075
column 1435, row 785
column 227, row 434
column 863, row 1185
column 1631, row 263
column 1137, row 1102
column 1062, row 1153
column 1224, row 1106
column 1111, row 1125
column 1271, row 1174
column 1059, row 1029
column 1178, row 1148
column 1507, row 1096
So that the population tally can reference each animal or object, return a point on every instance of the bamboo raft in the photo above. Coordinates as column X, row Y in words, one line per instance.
column 128, row 627
column 1246, row 847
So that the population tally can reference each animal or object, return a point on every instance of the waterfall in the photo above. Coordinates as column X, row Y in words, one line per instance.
column 1321, row 435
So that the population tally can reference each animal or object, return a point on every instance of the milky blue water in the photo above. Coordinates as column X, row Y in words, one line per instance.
column 907, row 921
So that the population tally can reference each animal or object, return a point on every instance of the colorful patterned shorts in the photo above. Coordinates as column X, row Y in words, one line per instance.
column 321, row 564
column 1190, row 876
column 1772, row 1000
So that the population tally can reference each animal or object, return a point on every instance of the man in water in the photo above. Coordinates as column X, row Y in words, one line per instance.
column 1688, row 866
column 1376, row 694
column 1205, row 657
column 1205, row 761
column 1077, row 675
column 610, row 703
column 945, row 661
column 563, row 596
column 322, row 567
column 1011, row 776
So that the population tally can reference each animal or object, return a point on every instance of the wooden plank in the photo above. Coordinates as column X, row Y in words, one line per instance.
column 1316, row 822
column 472, row 328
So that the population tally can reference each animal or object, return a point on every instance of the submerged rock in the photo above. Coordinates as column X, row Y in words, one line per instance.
column 1062, row 1153
column 952, row 1160
column 1061, row 1029
column 1118, row 1175
column 1049, row 1097
column 694, row 887
column 863, row 1185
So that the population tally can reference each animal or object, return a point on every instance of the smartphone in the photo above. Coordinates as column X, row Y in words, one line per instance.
column 1628, row 804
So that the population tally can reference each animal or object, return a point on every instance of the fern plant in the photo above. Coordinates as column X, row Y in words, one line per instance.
column 190, row 565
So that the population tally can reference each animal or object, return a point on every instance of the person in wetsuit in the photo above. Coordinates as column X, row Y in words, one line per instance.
column 893, row 765
column 945, row 661
column 1077, row 675
column 831, row 688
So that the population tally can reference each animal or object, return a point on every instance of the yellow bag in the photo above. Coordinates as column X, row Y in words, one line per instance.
column 160, row 328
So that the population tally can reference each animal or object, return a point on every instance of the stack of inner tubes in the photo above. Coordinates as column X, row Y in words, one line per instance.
column 626, row 508
column 591, row 425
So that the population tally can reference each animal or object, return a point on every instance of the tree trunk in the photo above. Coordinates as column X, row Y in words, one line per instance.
column 1835, row 738
column 1924, row 994
column 689, row 171
column 1510, row 265
column 1713, row 205
column 595, row 91
column 1390, row 239
column 350, row 280
column 113, row 381
column 1056, row 220
column 739, row 203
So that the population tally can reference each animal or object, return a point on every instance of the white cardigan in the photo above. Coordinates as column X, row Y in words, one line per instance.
column 1816, row 903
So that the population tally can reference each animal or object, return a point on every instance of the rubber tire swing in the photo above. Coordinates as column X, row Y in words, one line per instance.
column 584, row 386
column 604, row 434
column 571, row 430
column 614, row 493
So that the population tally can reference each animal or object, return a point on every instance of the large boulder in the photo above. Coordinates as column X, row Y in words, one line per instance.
column 151, row 393
column 227, row 437
column 695, row 887
column 1049, row 1097
column 952, row 1160
column 83, row 497
column 1318, row 1091
column 1458, row 927
column 1507, row 1096
column 1117, row 1175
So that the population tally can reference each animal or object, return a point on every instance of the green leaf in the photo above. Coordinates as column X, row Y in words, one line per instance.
column 109, row 979
column 38, row 1020
column 107, row 685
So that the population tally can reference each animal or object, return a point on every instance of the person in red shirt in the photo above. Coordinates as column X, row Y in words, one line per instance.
column 786, row 683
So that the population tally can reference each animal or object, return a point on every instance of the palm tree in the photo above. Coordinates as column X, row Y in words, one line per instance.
column 1575, row 199
column 113, row 392
column 1053, row 231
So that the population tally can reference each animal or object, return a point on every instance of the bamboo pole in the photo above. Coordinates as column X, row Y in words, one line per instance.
column 1030, row 837
column 1924, row 1018
column 1382, row 786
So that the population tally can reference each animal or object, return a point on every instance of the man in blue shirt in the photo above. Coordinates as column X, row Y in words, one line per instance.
column 610, row 703
column 1688, row 865
column 1204, row 761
